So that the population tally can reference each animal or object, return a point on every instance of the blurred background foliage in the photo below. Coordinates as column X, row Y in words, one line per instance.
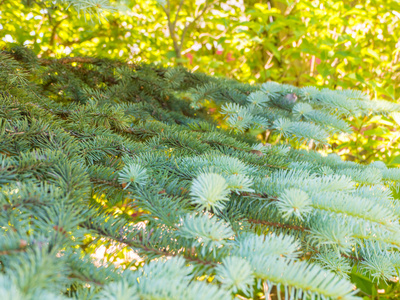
column 335, row 44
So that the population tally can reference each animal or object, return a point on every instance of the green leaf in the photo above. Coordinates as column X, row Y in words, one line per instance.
column 363, row 283
column 395, row 160
column 390, row 91
column 323, row 69
column 274, row 50
column 376, row 131
column 360, row 78
column 170, row 54
column 373, row 53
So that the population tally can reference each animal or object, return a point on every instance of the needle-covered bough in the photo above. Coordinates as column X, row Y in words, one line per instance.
column 96, row 154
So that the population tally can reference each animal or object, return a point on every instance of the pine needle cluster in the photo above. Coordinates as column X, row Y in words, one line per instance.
column 97, row 153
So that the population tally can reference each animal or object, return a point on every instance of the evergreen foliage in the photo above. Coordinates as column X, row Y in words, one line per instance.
column 96, row 152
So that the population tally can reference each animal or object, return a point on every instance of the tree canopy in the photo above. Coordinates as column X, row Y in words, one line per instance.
column 334, row 44
column 199, row 150
column 97, row 154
